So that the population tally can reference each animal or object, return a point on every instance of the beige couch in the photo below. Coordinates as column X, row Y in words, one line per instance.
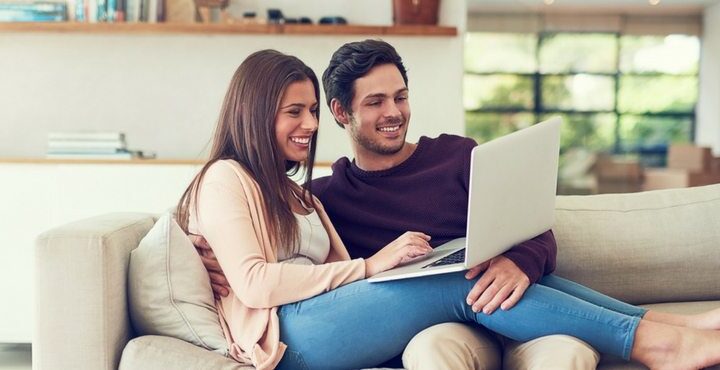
column 658, row 248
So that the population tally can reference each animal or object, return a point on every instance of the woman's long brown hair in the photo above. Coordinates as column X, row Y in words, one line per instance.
column 246, row 133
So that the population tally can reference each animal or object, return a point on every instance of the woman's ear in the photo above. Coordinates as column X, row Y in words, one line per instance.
column 341, row 116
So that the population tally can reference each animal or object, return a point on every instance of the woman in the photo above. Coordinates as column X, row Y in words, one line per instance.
column 297, row 299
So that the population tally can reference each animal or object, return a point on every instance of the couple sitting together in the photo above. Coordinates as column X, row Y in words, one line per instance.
column 289, row 262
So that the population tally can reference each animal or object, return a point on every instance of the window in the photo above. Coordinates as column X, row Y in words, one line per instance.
column 622, row 94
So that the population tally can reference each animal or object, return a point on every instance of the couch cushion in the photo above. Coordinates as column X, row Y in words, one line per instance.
column 152, row 352
column 169, row 290
column 656, row 246
column 155, row 352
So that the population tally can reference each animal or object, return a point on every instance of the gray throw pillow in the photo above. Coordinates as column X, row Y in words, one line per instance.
column 169, row 290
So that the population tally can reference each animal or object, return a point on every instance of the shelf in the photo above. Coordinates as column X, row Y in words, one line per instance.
column 100, row 161
column 198, row 162
column 215, row 28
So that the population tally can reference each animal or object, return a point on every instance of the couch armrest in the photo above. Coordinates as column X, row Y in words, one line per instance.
column 152, row 352
column 81, row 317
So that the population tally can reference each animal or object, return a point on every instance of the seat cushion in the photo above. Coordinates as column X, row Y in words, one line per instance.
column 152, row 352
column 169, row 290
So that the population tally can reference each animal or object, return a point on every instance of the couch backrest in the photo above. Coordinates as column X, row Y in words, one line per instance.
column 651, row 247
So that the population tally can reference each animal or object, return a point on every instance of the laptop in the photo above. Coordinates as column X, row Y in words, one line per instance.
column 511, row 199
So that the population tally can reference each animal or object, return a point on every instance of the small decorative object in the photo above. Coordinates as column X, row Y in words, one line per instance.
column 416, row 11
column 204, row 8
column 332, row 20
column 249, row 18
column 180, row 11
column 275, row 16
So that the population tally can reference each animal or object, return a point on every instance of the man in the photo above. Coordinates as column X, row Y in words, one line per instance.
column 393, row 186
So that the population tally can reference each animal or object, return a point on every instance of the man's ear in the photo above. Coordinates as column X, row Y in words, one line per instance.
column 340, row 114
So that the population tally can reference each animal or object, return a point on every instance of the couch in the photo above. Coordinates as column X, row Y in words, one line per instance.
column 660, row 249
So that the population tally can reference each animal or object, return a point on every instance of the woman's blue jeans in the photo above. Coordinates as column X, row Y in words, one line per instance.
column 363, row 324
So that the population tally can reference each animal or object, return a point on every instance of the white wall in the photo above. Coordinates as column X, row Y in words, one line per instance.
column 708, row 110
column 165, row 91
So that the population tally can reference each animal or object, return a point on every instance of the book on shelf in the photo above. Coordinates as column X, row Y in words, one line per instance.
column 87, row 136
column 33, row 11
column 90, row 145
column 120, row 155
column 86, row 144
column 132, row 10
column 88, row 151
column 45, row 6
column 93, row 11
column 26, row 16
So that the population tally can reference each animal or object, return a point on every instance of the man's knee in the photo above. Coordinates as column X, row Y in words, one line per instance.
column 452, row 346
column 551, row 352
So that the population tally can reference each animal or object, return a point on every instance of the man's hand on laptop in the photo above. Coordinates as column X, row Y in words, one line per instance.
column 220, row 285
column 502, row 285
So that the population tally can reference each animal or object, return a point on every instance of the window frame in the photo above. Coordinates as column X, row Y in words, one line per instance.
column 540, row 110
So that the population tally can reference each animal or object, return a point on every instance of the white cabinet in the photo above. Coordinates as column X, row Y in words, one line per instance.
column 35, row 197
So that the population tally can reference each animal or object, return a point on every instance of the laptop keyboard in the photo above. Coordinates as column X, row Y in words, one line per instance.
column 456, row 257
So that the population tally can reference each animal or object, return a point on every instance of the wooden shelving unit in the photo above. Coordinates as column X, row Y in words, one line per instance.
column 100, row 161
column 198, row 162
column 198, row 28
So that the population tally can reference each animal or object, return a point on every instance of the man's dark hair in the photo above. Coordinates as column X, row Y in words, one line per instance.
column 352, row 61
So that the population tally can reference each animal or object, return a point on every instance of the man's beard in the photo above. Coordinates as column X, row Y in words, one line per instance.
column 373, row 145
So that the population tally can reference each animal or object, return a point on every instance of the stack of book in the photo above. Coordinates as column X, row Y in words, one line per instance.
column 33, row 11
column 92, row 11
column 150, row 11
column 89, row 145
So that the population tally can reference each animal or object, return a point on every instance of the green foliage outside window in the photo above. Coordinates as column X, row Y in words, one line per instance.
column 498, row 91
column 579, row 92
column 578, row 52
column 661, row 93
column 595, row 132
column 487, row 126
column 617, row 93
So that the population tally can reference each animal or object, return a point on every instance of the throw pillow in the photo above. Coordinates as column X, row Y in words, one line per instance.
column 169, row 290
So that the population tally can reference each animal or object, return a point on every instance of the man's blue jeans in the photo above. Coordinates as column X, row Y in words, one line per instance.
column 363, row 324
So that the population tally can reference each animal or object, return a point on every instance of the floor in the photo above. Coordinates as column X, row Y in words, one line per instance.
column 15, row 357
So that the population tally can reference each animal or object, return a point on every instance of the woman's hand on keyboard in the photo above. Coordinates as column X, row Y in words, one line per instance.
column 410, row 245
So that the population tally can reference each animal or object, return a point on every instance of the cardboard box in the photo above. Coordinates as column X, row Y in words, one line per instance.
column 614, row 187
column 715, row 166
column 610, row 169
column 660, row 178
column 690, row 157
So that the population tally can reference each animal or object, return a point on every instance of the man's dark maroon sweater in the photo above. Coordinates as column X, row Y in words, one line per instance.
column 428, row 192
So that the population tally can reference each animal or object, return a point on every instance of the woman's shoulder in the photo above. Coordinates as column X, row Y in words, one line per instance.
column 226, row 169
column 229, row 179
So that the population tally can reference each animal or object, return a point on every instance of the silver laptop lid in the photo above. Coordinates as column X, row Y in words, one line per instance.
column 513, row 181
